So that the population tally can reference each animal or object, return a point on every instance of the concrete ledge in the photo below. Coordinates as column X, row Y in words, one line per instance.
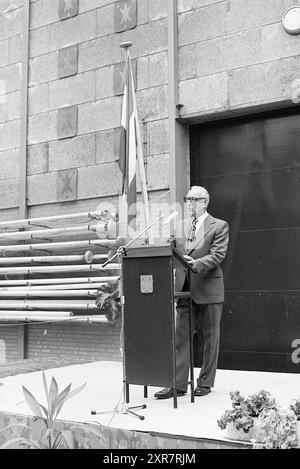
column 251, row 108
column 112, row 438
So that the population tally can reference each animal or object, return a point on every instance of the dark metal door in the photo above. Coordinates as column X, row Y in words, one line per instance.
column 251, row 167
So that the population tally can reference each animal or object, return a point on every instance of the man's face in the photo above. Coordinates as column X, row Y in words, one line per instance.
column 196, row 203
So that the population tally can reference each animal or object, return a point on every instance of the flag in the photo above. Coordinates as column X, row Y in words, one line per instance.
column 128, row 146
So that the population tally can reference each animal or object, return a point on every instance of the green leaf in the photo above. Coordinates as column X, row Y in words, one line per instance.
column 50, row 438
column 60, row 400
column 76, row 391
column 32, row 402
column 53, row 391
column 38, row 413
column 58, row 441
column 48, row 433
column 46, row 387
column 100, row 302
column 70, row 440
column 71, row 394
column 44, row 409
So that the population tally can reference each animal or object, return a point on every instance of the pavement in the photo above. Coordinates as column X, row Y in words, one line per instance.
column 30, row 365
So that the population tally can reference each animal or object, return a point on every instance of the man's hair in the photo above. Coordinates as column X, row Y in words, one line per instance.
column 200, row 191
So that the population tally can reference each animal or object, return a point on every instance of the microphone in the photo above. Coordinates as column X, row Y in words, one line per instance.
column 124, row 248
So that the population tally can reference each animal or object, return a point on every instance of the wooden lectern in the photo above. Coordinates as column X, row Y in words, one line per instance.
column 149, row 318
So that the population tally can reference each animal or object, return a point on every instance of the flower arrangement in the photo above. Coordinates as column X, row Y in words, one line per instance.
column 261, row 401
column 245, row 410
column 276, row 429
column 295, row 407
column 262, row 421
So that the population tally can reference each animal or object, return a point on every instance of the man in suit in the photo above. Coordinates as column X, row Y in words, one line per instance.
column 203, row 241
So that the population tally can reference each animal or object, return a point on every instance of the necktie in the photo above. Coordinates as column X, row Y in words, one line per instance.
column 192, row 230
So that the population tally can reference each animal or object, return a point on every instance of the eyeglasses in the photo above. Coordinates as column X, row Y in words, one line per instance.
column 193, row 199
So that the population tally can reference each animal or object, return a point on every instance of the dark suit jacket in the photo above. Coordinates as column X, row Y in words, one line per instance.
column 209, row 249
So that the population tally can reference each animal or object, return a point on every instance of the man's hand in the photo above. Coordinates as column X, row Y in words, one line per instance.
column 191, row 262
column 172, row 241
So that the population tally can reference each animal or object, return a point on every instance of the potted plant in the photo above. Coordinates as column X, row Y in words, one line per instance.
column 109, row 301
column 276, row 429
column 240, row 421
column 51, row 438
column 295, row 407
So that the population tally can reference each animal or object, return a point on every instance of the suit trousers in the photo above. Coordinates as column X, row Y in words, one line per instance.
column 207, row 318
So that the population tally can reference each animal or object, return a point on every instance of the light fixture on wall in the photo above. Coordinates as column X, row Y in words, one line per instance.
column 291, row 20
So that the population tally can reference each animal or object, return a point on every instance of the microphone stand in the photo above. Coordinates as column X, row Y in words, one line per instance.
column 122, row 250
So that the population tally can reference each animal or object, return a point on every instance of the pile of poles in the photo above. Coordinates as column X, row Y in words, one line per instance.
column 51, row 268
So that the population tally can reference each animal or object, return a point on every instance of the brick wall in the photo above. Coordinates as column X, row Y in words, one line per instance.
column 91, row 342
column 83, row 341
column 8, row 344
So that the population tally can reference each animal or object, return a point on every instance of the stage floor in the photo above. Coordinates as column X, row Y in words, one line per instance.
column 103, row 392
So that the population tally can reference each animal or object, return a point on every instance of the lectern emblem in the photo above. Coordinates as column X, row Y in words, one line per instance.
column 146, row 283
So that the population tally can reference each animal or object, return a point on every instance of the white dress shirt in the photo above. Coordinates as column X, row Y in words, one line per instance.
column 200, row 221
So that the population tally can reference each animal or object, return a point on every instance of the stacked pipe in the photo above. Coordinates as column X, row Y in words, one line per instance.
column 51, row 268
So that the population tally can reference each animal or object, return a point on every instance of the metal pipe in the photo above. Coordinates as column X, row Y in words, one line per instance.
column 93, row 320
column 49, row 294
column 56, row 269
column 109, row 244
column 60, row 314
column 58, row 218
column 54, row 319
column 59, row 281
column 50, row 259
column 49, row 305
column 69, row 287
column 30, row 318
column 49, row 232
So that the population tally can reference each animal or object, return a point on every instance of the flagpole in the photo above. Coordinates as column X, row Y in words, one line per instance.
column 143, row 178
column 126, row 46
